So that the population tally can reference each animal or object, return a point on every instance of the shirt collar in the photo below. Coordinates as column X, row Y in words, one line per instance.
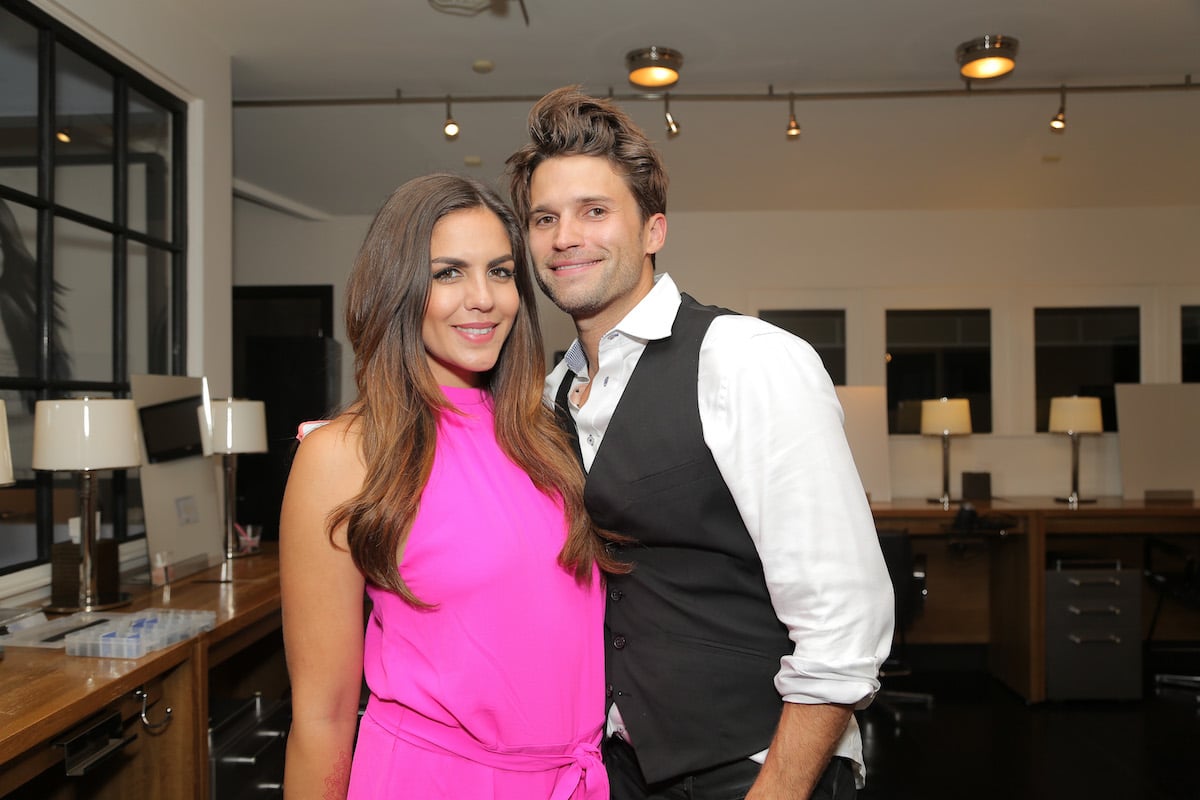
column 650, row 319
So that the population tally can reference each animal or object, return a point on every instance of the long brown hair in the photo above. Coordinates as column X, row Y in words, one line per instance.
column 399, row 400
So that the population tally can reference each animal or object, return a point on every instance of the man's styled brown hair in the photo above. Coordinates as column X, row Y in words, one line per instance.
column 567, row 122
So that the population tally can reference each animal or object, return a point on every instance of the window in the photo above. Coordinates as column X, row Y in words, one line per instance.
column 824, row 329
column 92, row 245
column 1085, row 351
column 938, row 353
column 1190, row 327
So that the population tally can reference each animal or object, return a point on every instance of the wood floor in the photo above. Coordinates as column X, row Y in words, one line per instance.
column 981, row 741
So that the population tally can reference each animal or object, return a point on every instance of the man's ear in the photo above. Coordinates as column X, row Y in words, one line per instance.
column 655, row 233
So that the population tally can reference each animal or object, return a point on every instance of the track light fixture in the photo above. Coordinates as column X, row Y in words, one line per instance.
column 990, row 56
column 450, row 129
column 672, row 125
column 653, row 67
column 793, row 127
column 1058, row 123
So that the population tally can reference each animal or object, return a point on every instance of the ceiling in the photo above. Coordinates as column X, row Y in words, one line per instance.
column 933, row 152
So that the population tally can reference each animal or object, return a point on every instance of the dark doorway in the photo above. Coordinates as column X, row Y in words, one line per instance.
column 284, row 354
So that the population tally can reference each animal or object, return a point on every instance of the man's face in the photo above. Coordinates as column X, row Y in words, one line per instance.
column 590, row 247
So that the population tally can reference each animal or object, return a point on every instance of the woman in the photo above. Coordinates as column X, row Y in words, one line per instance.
column 449, row 494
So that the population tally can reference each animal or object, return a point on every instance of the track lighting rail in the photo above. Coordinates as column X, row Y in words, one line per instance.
column 768, row 96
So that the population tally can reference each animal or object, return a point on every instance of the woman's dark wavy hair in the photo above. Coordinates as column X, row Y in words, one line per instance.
column 567, row 122
column 399, row 399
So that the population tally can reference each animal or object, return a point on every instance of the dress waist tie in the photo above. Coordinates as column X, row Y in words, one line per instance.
column 586, row 771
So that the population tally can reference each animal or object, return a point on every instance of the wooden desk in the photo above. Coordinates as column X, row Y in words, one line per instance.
column 998, row 596
column 45, row 694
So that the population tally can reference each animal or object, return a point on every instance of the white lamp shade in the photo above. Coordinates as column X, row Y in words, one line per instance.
column 86, row 434
column 945, row 416
column 6, row 470
column 239, row 426
column 1075, row 415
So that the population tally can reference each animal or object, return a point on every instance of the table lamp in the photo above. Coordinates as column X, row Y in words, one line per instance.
column 239, row 426
column 945, row 417
column 6, row 469
column 1075, row 416
column 86, row 435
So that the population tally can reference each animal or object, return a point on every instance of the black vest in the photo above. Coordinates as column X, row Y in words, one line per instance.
column 693, row 643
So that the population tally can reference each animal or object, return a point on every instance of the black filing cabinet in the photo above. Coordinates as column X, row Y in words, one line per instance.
column 247, row 741
column 1093, row 631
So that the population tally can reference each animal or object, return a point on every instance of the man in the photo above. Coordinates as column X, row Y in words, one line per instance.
column 759, row 608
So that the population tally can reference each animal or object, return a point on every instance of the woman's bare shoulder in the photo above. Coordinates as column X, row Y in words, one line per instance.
column 332, row 446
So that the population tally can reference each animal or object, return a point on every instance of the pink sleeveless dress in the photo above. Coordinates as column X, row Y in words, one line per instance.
column 498, row 691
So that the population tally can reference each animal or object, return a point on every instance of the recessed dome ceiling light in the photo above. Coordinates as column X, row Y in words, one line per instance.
column 987, row 57
column 653, row 67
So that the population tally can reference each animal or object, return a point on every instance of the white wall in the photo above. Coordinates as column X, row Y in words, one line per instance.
column 867, row 262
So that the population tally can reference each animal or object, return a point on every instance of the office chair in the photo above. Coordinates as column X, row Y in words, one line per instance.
column 907, row 573
column 1178, row 581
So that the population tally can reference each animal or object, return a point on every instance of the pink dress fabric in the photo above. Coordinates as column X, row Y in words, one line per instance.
column 498, row 691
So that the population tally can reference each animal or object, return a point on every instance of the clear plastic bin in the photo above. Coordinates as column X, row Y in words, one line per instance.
column 134, row 635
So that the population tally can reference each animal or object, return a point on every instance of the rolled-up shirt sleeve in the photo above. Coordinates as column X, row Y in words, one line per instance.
column 773, row 422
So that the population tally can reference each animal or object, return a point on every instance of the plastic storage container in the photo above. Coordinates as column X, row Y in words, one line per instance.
column 134, row 635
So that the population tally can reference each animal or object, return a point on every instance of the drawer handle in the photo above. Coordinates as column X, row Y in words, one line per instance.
column 1111, row 638
column 270, row 738
column 1109, row 611
column 94, row 744
column 153, row 727
column 1094, row 581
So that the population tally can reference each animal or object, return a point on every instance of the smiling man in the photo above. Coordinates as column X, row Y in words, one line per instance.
column 759, row 608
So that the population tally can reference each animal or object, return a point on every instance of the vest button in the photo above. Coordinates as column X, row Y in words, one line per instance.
column 615, row 595
column 619, row 642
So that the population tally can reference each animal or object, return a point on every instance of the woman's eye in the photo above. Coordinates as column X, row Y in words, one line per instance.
column 447, row 274
column 502, row 272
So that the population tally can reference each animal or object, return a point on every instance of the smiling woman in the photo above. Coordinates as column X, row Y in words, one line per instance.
column 450, row 495
column 473, row 298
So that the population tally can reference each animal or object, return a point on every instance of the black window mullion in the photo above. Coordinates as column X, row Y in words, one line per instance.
column 44, row 481
column 120, row 294
column 120, row 282
column 179, row 239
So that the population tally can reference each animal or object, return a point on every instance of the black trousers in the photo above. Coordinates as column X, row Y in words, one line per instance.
column 725, row 782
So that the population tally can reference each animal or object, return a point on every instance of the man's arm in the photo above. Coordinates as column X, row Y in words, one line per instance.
column 801, row 748
column 773, row 423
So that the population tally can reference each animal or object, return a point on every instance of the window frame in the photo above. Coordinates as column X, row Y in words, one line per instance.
column 173, row 243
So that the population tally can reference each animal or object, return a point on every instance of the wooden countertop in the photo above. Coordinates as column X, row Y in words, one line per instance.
column 44, row 691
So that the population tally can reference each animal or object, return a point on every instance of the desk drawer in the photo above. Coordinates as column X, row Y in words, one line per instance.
column 1093, row 634
column 246, row 749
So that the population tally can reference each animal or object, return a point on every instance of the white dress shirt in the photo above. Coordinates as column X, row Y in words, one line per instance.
column 773, row 423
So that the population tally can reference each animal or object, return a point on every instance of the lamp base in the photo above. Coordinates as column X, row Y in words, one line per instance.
column 944, row 502
column 1074, row 500
column 123, row 599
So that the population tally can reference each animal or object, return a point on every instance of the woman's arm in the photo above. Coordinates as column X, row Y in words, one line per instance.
column 322, row 594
